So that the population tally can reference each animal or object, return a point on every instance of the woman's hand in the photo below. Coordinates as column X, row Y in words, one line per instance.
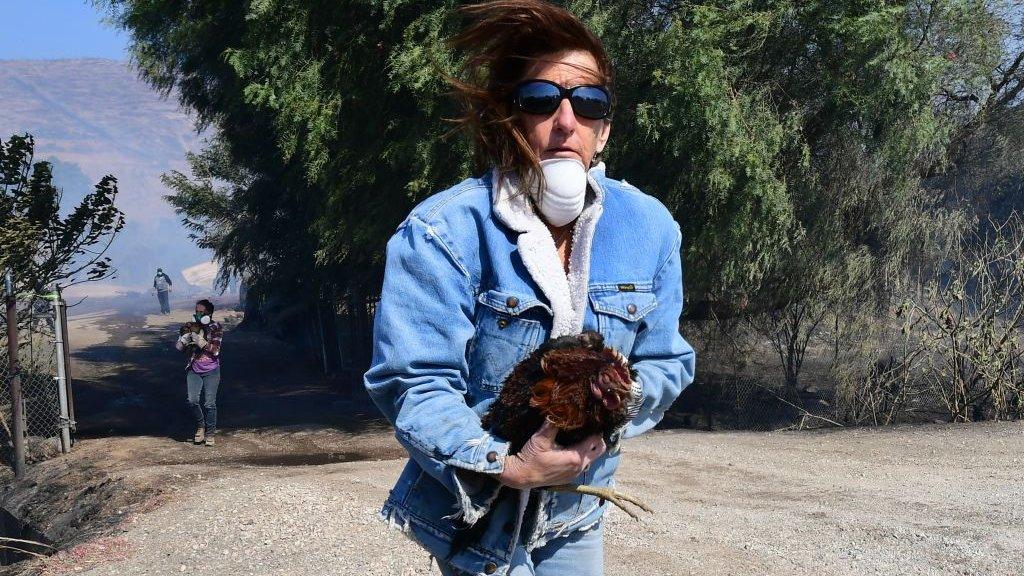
column 199, row 340
column 183, row 341
column 542, row 462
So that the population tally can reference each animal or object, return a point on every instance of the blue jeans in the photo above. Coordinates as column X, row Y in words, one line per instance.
column 165, row 304
column 206, row 384
column 578, row 554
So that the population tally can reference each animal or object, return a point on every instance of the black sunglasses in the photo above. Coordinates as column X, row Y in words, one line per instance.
column 543, row 97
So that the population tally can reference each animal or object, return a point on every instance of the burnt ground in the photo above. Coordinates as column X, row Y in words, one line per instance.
column 133, row 429
column 133, row 383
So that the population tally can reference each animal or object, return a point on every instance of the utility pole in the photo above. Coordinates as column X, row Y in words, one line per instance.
column 14, row 373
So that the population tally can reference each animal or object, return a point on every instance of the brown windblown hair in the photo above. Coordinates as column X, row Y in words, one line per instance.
column 502, row 41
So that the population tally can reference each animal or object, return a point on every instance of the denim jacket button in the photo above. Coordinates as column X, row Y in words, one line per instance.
column 492, row 457
column 502, row 323
column 631, row 308
column 490, row 568
column 512, row 302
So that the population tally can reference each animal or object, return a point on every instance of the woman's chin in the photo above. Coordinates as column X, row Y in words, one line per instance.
column 562, row 154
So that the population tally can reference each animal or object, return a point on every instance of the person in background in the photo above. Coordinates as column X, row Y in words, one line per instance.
column 162, row 284
column 202, row 373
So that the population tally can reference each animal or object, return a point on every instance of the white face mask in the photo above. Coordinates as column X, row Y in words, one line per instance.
column 565, row 191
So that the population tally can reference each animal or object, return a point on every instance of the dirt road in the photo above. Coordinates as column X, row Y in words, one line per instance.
column 301, row 498
column 932, row 500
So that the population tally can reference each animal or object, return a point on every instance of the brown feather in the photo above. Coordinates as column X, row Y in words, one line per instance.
column 575, row 382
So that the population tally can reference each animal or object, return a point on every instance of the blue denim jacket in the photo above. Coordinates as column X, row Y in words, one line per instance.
column 465, row 298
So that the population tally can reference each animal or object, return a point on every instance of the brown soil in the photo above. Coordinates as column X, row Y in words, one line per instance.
column 133, row 448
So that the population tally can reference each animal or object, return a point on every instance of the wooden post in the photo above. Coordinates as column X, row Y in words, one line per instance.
column 323, row 342
column 17, row 402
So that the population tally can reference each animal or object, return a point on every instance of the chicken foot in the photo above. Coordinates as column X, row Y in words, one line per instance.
column 613, row 496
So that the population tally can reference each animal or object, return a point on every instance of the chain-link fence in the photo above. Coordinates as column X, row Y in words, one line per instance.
column 40, row 361
column 732, row 402
column 340, row 335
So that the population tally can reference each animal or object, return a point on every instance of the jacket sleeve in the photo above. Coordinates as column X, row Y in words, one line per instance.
column 419, row 369
column 664, row 361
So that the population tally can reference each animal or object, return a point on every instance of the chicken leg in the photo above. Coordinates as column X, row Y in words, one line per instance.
column 613, row 496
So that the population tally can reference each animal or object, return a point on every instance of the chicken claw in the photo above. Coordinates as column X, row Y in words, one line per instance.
column 617, row 498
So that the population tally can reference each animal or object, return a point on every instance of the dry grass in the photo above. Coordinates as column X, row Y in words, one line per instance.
column 84, row 556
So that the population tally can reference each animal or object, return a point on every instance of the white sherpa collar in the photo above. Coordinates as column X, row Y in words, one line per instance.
column 567, row 295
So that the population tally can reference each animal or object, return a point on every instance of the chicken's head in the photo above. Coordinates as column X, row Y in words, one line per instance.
column 583, row 381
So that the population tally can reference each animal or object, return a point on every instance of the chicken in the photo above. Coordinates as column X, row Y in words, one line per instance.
column 193, row 327
column 579, row 385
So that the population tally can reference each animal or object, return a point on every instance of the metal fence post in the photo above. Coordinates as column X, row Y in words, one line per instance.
column 17, row 405
column 61, row 378
column 68, row 376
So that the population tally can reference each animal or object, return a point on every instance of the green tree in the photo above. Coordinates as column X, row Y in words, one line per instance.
column 986, row 168
column 774, row 130
column 41, row 246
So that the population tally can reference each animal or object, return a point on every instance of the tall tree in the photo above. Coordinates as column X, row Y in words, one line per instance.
column 772, row 129
column 40, row 245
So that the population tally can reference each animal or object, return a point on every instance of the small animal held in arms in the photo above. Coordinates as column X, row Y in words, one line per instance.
column 190, row 329
column 577, row 384
column 193, row 327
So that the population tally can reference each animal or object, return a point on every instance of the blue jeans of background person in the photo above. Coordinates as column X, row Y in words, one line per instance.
column 205, row 383
column 165, row 301
column 578, row 554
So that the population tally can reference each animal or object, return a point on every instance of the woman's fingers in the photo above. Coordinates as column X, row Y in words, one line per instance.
column 589, row 449
column 545, row 436
column 543, row 463
column 578, row 457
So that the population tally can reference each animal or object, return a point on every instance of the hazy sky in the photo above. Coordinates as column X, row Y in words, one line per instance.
column 33, row 29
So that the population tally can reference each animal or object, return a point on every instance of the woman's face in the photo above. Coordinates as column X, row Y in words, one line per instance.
column 562, row 134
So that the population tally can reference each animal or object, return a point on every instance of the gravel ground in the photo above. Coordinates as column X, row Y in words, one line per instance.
column 294, row 485
column 911, row 501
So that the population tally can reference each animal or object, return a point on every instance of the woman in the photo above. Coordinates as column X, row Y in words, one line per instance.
column 202, row 373
column 481, row 274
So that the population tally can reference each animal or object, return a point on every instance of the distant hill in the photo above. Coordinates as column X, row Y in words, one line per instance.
column 92, row 117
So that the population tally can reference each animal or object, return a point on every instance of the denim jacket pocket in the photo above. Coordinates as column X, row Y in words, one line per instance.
column 620, row 309
column 508, row 327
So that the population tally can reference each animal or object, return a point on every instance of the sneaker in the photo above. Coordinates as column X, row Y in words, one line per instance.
column 210, row 441
column 200, row 435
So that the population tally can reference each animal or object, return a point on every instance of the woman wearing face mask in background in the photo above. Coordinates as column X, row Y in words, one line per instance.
column 543, row 245
column 202, row 373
